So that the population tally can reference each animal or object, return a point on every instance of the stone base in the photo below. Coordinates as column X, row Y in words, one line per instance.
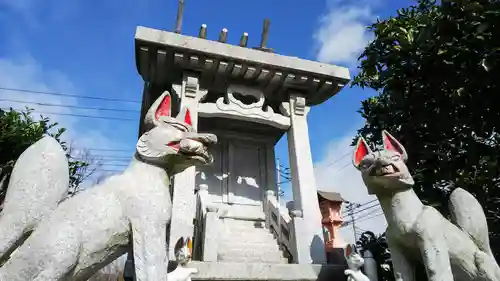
column 336, row 256
column 266, row 272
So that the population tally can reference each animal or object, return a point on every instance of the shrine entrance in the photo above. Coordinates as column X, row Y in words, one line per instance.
column 239, row 175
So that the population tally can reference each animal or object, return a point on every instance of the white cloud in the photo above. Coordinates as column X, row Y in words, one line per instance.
column 342, row 34
column 336, row 173
column 26, row 73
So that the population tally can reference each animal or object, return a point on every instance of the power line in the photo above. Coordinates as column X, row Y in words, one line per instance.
column 366, row 203
column 101, row 158
column 367, row 214
column 115, row 165
column 361, row 229
column 359, row 205
column 340, row 158
column 66, row 95
column 71, row 106
column 75, row 115
column 114, row 160
column 283, row 171
column 354, row 219
column 341, row 168
column 109, row 171
column 371, row 217
column 286, row 178
column 364, row 209
column 105, row 156
column 110, row 149
column 283, row 167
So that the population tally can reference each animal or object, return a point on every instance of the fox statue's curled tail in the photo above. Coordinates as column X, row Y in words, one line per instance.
column 39, row 181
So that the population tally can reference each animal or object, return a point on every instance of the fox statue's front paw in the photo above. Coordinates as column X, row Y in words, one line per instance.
column 193, row 271
column 348, row 272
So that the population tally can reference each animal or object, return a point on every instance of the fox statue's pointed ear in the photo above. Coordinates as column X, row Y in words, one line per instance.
column 392, row 144
column 179, row 244
column 348, row 250
column 360, row 151
column 164, row 107
column 161, row 107
column 189, row 245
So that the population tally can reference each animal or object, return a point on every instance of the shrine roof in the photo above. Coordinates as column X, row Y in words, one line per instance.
column 162, row 57
column 331, row 196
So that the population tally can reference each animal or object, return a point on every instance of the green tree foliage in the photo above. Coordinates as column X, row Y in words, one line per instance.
column 19, row 130
column 436, row 68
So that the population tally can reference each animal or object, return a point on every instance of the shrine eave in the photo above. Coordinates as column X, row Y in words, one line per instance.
column 162, row 57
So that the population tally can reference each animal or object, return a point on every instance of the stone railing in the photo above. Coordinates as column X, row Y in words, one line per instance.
column 207, row 227
column 279, row 222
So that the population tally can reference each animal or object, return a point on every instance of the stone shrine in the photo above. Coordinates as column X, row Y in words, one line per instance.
column 249, row 98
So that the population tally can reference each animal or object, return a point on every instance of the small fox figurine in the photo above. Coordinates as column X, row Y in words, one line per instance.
column 182, row 250
column 355, row 262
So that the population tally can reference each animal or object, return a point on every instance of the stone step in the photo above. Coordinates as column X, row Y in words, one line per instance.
column 261, row 246
column 238, row 222
column 252, row 255
column 246, row 232
column 239, row 237
column 233, row 271
column 244, row 227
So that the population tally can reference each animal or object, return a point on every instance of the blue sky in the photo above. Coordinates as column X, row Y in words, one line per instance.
column 87, row 48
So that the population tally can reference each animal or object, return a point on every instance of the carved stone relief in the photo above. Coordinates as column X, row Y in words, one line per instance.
column 191, row 86
column 244, row 103
column 300, row 108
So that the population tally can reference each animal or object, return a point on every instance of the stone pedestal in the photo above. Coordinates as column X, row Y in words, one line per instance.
column 266, row 272
column 370, row 266
column 308, row 229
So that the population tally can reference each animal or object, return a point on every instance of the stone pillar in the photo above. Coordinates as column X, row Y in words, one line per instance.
column 370, row 266
column 184, row 200
column 310, row 246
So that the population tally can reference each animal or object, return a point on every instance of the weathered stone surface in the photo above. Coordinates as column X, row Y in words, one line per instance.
column 158, row 52
column 248, row 241
column 228, row 271
column 39, row 181
column 93, row 228
column 418, row 234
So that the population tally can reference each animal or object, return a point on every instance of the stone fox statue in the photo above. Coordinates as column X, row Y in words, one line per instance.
column 418, row 234
column 91, row 229
column 38, row 182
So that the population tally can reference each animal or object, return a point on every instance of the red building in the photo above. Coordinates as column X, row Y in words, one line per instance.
column 330, row 204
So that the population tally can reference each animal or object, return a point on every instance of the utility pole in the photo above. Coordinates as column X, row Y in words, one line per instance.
column 278, row 185
column 278, row 181
column 351, row 207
